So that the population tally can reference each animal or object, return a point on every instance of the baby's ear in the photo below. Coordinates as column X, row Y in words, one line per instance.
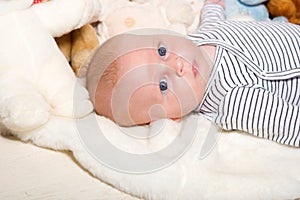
column 177, row 119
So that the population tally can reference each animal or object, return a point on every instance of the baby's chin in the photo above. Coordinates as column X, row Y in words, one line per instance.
column 142, row 121
column 129, row 123
column 146, row 123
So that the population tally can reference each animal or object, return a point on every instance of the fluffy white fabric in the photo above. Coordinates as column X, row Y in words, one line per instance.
column 37, row 82
column 41, row 101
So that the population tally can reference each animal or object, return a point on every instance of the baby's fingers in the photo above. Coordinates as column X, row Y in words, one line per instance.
column 219, row 2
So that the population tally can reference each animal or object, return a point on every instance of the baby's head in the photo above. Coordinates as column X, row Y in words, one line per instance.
column 136, row 78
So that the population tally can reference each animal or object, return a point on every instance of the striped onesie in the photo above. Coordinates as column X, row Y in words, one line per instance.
column 255, row 81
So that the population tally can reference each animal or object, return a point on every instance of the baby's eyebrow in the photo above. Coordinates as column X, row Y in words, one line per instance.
column 155, row 44
column 157, row 41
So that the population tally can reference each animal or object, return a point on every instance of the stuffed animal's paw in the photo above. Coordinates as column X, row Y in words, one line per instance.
column 69, row 101
column 24, row 112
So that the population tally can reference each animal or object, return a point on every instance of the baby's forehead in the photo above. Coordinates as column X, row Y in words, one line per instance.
column 173, row 43
column 131, row 42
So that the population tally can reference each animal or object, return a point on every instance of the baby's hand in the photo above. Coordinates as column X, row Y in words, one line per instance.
column 219, row 2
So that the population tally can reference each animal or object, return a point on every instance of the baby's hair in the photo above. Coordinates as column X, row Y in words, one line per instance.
column 110, row 75
column 100, row 85
column 107, row 82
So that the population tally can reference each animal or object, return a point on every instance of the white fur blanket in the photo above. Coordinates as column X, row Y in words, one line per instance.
column 41, row 101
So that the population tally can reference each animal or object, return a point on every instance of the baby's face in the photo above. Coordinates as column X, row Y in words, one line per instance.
column 158, row 82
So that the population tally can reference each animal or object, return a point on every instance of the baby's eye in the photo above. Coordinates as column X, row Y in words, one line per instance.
column 162, row 51
column 163, row 85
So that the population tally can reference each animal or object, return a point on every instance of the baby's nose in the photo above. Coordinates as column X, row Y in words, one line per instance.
column 179, row 66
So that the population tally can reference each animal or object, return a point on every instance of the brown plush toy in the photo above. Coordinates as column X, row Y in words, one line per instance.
column 287, row 8
column 78, row 45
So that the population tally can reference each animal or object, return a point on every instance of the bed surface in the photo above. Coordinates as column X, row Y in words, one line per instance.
column 30, row 172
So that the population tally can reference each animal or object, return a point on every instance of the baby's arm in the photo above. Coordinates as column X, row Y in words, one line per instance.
column 213, row 10
column 261, row 113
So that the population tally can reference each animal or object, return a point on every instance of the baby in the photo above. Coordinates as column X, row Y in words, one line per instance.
column 240, row 75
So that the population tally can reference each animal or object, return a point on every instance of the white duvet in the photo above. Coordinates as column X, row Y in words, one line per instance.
column 43, row 102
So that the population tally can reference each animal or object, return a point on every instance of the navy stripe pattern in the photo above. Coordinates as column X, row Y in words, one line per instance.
column 255, row 83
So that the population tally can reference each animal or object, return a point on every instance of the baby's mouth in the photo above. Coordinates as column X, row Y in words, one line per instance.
column 195, row 69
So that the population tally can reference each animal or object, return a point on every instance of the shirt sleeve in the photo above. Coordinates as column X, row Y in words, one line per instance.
column 261, row 113
column 211, row 13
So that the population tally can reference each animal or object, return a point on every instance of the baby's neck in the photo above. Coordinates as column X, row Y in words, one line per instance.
column 207, row 60
column 210, row 50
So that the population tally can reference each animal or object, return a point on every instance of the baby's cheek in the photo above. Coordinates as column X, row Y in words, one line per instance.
column 139, row 106
column 173, row 106
column 186, row 96
column 157, row 111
